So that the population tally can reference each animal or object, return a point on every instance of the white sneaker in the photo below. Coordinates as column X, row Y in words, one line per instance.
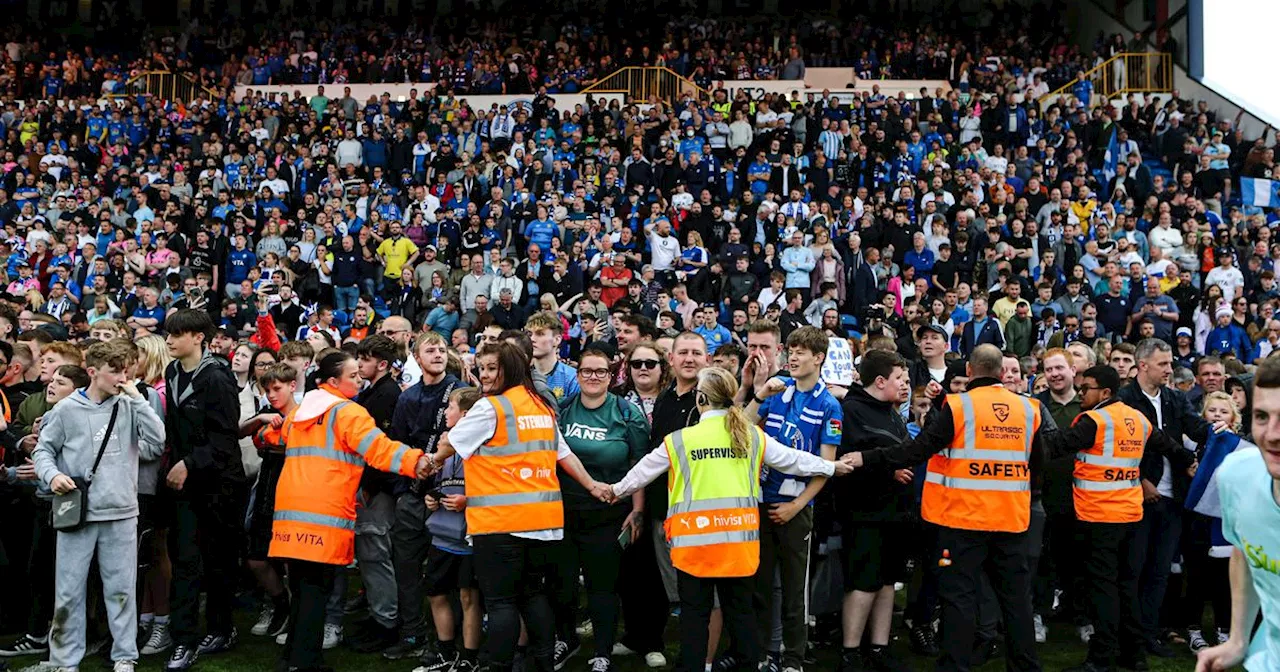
column 260, row 628
column 792, row 669
column 585, row 629
column 1222, row 636
column 332, row 636
column 655, row 659
column 1085, row 632
column 159, row 641
column 124, row 666
column 620, row 649
column 282, row 638
column 1042, row 631
column 1195, row 640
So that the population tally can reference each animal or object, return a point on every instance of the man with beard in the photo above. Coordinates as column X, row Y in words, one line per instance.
column 418, row 420
column 874, row 505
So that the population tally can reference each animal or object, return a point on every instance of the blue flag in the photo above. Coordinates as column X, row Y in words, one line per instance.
column 1202, row 496
column 1261, row 193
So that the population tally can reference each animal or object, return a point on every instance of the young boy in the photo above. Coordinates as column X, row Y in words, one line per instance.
column 298, row 355
column 206, row 481
column 280, row 382
column 449, row 564
column 71, row 437
column 545, row 331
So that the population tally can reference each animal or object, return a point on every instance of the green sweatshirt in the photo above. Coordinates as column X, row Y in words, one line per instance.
column 609, row 440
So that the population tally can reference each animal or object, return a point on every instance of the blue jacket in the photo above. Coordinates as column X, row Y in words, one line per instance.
column 1229, row 340
column 990, row 334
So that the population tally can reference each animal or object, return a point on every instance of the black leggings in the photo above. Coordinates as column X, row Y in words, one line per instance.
column 591, row 545
column 514, row 575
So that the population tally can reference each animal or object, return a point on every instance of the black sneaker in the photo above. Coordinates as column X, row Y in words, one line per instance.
column 376, row 638
column 598, row 664
column 279, row 622
column 879, row 660
column 25, row 645
column 407, row 647
column 215, row 643
column 565, row 651
column 985, row 651
column 464, row 665
column 725, row 663
column 435, row 662
column 772, row 664
column 1160, row 650
column 1133, row 661
column 182, row 658
column 851, row 661
column 924, row 641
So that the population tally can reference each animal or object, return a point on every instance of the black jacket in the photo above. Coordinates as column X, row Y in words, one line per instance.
column 871, row 493
column 1180, row 419
column 202, row 422
column 380, row 400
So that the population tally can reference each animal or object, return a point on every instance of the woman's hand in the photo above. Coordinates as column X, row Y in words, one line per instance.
column 431, row 502
column 634, row 523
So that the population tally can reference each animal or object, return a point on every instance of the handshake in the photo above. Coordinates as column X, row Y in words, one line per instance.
column 603, row 492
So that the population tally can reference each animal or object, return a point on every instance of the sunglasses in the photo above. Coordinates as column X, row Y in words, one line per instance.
column 645, row 363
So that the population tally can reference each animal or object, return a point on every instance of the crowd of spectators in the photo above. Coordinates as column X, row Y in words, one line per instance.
column 926, row 225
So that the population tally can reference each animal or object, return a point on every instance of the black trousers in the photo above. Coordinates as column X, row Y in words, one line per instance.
column 1111, row 581
column 1154, row 545
column 515, row 577
column 205, row 540
column 1002, row 556
column 1059, row 567
column 409, row 545
column 311, row 584
column 591, row 545
column 644, row 604
column 40, row 569
column 697, row 597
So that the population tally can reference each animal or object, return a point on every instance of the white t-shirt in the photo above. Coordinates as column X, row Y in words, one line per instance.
column 665, row 251
column 1165, row 486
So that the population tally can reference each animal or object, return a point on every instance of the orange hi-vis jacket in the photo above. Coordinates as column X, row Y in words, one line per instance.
column 1107, row 487
column 328, row 441
column 713, row 514
column 511, row 480
column 982, row 480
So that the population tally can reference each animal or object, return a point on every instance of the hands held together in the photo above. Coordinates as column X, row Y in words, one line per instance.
column 603, row 492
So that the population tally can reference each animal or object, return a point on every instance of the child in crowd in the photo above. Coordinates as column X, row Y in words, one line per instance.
column 280, row 382
column 108, row 417
column 449, row 564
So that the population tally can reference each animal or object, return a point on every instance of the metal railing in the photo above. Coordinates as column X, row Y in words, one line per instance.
column 1122, row 74
column 643, row 83
column 164, row 85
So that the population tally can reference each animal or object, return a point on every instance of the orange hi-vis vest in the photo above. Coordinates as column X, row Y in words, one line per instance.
column 713, row 490
column 1107, row 487
column 328, row 442
column 511, row 480
column 982, row 480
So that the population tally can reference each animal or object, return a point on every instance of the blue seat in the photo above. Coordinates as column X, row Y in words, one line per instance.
column 848, row 321
column 341, row 318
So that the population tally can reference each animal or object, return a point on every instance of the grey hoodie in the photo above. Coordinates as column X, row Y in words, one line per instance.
column 71, row 435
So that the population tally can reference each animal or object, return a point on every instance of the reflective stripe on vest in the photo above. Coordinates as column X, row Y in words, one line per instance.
column 741, row 536
column 314, row 519
column 977, row 483
column 513, row 430
column 1106, row 486
column 686, row 503
column 514, row 498
column 327, row 451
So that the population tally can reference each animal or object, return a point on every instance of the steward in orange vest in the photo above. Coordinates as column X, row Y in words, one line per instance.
column 1109, row 440
column 980, row 446
column 328, row 441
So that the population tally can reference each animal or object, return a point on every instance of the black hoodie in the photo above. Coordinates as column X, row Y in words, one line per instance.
column 202, row 422
column 870, row 493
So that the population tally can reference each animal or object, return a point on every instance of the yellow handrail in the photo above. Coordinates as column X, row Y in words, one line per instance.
column 164, row 85
column 1122, row 74
column 643, row 83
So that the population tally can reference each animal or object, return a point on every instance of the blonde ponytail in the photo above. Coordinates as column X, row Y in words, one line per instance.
column 720, row 387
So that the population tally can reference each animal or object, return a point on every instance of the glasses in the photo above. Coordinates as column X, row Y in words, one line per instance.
column 1086, row 388
column 645, row 363
column 263, row 365
column 593, row 373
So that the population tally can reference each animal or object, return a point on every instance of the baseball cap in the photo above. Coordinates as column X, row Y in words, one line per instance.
column 1184, row 331
column 935, row 328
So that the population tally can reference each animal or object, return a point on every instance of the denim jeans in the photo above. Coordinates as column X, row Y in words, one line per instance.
column 345, row 298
